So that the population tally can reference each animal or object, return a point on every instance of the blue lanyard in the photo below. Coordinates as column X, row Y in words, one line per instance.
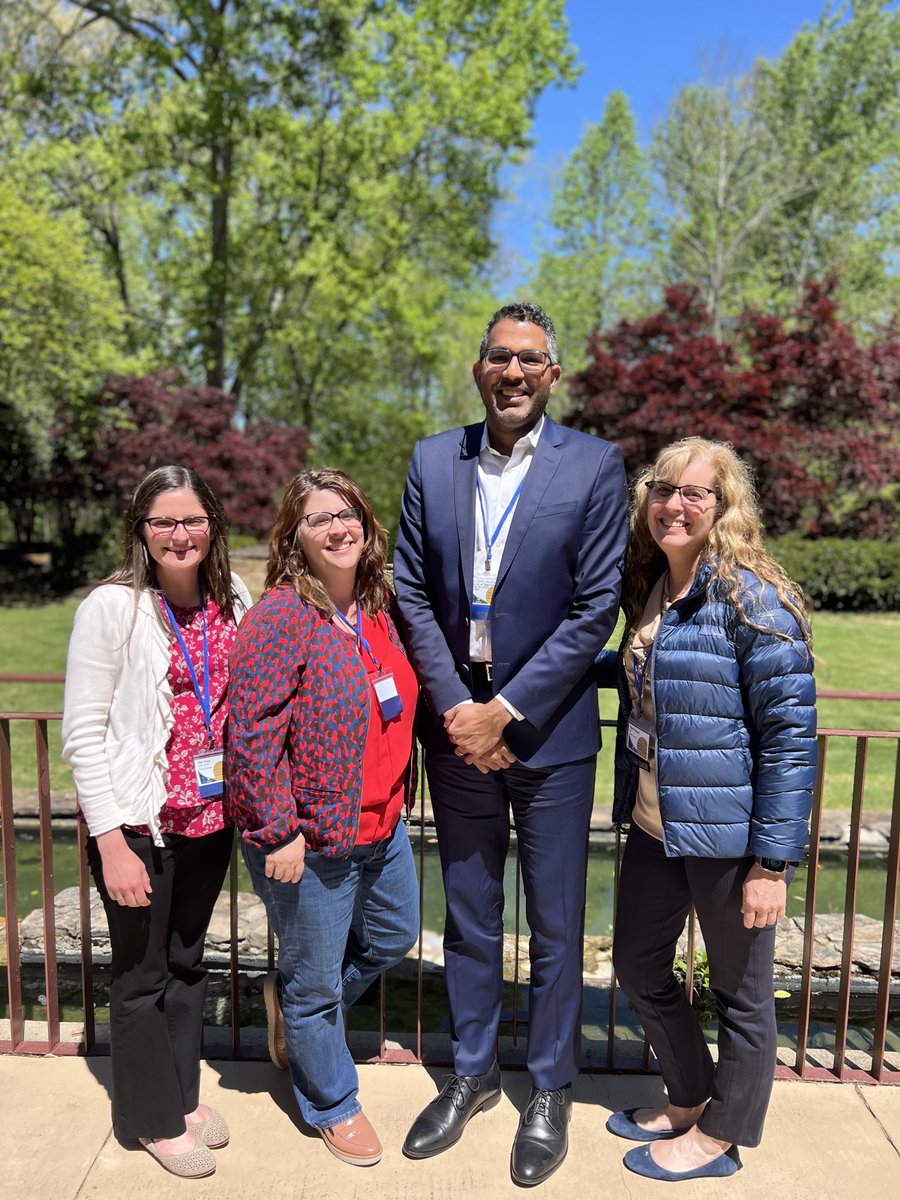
column 359, row 633
column 490, row 538
column 640, row 675
column 202, row 694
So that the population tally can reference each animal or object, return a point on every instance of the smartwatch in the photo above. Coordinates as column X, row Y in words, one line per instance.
column 774, row 864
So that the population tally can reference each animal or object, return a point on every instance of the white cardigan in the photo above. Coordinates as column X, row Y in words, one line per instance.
column 117, row 710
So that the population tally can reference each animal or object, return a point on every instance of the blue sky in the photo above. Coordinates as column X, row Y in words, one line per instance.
column 647, row 50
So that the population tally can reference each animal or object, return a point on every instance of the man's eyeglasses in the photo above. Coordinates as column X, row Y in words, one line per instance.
column 322, row 520
column 529, row 360
column 692, row 494
column 164, row 525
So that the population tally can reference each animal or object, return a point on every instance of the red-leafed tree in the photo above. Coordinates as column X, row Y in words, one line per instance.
column 138, row 423
column 814, row 412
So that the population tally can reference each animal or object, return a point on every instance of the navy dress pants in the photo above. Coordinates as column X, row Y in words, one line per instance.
column 655, row 897
column 551, row 810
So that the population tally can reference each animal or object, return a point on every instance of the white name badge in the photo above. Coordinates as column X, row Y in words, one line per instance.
column 209, row 772
column 482, row 594
column 389, row 703
column 637, row 741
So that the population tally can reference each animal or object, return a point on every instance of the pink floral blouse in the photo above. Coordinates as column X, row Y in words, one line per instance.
column 184, row 812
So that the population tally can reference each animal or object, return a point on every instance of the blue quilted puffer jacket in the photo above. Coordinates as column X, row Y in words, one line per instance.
column 736, row 728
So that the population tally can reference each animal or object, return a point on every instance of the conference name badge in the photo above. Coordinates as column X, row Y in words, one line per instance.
column 389, row 703
column 482, row 594
column 209, row 771
column 637, row 741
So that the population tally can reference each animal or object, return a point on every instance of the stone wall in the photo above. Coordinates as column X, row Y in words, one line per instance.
column 252, row 927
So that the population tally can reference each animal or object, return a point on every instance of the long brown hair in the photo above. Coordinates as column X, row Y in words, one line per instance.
column 735, row 540
column 136, row 568
column 287, row 562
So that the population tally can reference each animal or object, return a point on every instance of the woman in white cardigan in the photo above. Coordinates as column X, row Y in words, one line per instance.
column 144, row 722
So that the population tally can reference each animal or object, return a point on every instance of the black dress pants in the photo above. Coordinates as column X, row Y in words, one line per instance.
column 158, row 983
column 655, row 896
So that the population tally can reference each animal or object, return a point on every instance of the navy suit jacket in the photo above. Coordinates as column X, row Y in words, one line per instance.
column 557, row 593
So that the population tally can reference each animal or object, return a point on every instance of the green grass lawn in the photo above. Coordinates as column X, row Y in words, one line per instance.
column 853, row 653
column 858, row 652
column 33, row 641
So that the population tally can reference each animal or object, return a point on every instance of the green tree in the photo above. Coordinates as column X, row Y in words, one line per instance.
column 60, row 331
column 832, row 105
column 599, row 266
column 791, row 174
column 725, row 179
column 60, row 321
column 295, row 164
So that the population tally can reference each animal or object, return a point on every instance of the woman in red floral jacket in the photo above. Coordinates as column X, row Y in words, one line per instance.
column 319, row 769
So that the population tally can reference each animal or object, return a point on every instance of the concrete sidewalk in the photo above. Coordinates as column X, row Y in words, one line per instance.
column 822, row 1141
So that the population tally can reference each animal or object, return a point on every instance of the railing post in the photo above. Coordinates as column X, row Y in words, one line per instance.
column 86, row 928
column 48, row 890
column 8, row 837
column 882, row 1005
column 809, row 913
column 842, row 1018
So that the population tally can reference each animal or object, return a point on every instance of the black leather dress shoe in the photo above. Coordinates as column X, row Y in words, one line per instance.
column 543, row 1136
column 440, row 1124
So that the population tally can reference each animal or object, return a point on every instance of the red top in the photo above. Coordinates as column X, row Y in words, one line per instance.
column 388, row 743
column 184, row 812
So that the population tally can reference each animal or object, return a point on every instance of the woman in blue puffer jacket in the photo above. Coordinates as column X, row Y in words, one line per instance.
column 715, row 765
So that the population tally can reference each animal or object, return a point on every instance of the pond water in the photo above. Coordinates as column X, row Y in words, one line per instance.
column 401, row 992
column 599, row 908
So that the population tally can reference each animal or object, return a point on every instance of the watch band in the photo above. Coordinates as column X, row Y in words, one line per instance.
column 774, row 864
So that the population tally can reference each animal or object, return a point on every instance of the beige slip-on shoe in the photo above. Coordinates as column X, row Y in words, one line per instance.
column 193, row 1164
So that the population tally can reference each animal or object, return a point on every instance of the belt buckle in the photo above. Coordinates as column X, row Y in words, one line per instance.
column 488, row 670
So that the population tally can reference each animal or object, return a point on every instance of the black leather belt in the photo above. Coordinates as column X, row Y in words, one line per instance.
column 482, row 674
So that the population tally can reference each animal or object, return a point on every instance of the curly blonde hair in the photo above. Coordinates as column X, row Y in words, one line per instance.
column 735, row 540
column 287, row 562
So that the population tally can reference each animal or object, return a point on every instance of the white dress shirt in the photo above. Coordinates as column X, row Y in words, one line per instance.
column 499, row 475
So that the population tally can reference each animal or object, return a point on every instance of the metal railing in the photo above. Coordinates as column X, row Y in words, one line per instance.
column 845, row 1066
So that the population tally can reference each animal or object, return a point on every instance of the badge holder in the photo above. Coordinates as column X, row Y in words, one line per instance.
column 209, row 771
column 389, row 703
column 482, row 594
column 638, row 737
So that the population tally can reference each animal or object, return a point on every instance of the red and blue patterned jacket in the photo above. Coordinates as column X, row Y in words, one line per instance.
column 299, row 713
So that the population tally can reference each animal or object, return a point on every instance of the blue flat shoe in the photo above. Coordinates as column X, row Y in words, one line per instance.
column 623, row 1125
column 639, row 1161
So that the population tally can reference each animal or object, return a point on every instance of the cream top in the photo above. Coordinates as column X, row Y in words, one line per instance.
column 646, row 806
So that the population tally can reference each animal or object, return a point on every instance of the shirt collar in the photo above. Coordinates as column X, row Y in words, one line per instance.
column 532, row 437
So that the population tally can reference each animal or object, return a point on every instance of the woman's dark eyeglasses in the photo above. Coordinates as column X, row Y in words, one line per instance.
column 162, row 525
column 323, row 520
column 529, row 360
column 691, row 494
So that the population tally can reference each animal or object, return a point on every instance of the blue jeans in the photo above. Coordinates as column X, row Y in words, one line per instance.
column 346, row 921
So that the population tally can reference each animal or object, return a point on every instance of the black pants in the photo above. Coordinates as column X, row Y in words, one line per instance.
column 655, row 896
column 158, row 982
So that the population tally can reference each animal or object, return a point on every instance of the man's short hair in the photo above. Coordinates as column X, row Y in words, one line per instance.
column 523, row 311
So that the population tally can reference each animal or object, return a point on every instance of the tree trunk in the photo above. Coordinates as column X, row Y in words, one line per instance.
column 217, row 287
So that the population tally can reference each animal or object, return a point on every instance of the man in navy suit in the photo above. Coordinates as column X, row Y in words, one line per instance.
column 508, row 570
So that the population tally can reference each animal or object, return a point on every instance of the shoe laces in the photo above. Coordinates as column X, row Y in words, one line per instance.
column 540, row 1104
column 457, row 1086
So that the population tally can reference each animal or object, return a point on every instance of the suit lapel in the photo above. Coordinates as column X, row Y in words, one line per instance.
column 547, row 457
column 465, row 476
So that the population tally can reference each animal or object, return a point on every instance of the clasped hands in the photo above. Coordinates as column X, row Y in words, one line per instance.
column 477, row 732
